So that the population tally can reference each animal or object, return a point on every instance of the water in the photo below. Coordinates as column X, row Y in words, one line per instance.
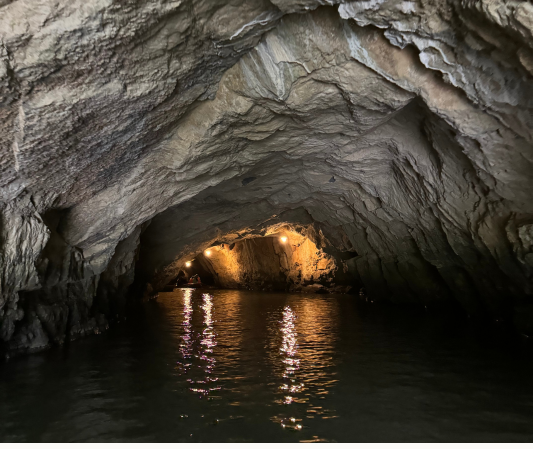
column 235, row 366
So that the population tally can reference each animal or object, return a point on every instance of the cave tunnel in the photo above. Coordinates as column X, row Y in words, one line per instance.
column 279, row 258
column 351, row 180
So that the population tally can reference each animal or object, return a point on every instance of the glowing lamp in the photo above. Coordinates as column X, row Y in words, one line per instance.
column 187, row 264
column 208, row 253
column 283, row 239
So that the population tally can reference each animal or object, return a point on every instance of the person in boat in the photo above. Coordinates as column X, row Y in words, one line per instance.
column 195, row 279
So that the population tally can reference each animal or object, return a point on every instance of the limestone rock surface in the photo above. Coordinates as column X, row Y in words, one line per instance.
column 136, row 134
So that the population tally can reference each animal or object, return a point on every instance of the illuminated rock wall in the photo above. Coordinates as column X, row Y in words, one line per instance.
column 268, row 264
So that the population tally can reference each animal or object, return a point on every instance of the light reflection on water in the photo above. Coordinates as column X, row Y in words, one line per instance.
column 305, row 376
column 289, row 352
column 186, row 346
column 198, row 345
column 245, row 366
column 289, row 349
column 308, row 366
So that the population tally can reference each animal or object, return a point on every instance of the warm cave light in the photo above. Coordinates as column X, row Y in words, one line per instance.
column 187, row 264
column 207, row 252
column 283, row 239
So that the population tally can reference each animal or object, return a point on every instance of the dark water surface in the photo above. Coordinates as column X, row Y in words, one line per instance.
column 210, row 365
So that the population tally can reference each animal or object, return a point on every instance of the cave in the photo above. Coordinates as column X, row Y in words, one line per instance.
column 279, row 258
column 381, row 151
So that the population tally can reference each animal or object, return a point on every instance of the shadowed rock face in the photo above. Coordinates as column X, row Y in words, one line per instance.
column 135, row 136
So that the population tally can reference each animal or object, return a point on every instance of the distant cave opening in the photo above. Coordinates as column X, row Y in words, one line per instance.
column 282, row 259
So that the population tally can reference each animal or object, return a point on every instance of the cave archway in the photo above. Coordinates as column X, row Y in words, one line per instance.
column 283, row 260
column 278, row 254
column 407, row 149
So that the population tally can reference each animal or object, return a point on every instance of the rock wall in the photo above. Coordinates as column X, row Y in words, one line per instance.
column 268, row 263
column 401, row 130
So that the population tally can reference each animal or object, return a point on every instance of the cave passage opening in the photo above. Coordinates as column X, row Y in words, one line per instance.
column 284, row 259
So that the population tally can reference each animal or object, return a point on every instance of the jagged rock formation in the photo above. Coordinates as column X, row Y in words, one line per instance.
column 269, row 264
column 401, row 130
column 298, row 263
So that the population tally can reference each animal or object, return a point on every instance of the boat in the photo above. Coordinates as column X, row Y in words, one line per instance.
column 190, row 285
